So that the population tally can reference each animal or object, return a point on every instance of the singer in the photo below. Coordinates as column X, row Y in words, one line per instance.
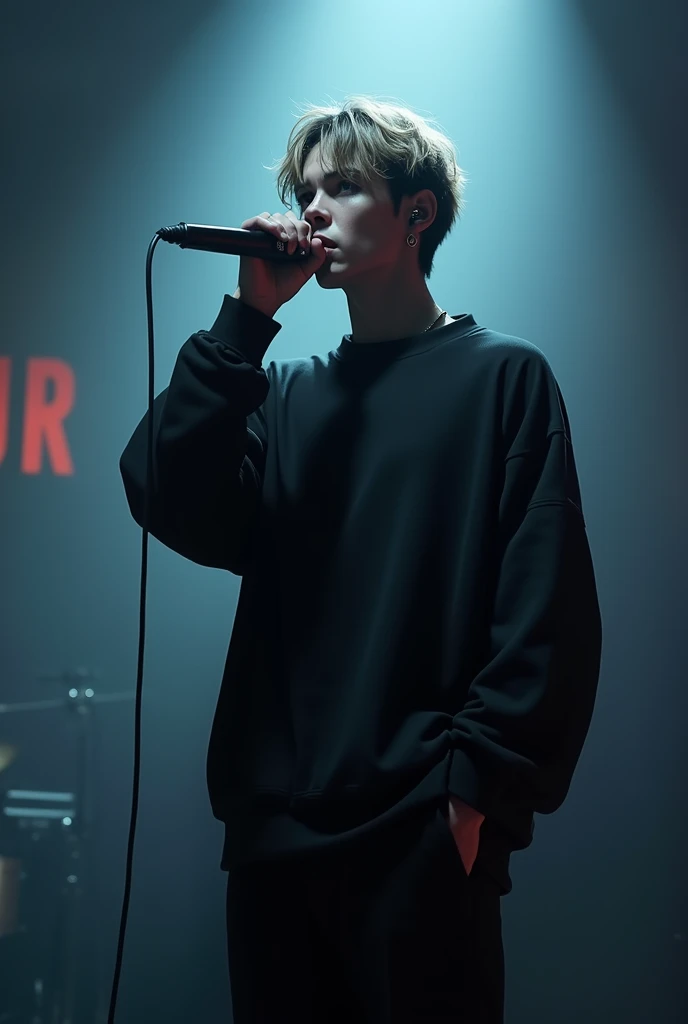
column 416, row 649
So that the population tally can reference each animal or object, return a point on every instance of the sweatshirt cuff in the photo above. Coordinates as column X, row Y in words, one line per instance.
column 246, row 329
column 503, row 812
column 476, row 789
column 465, row 782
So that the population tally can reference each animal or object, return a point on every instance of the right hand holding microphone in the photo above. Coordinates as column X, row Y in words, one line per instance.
column 267, row 285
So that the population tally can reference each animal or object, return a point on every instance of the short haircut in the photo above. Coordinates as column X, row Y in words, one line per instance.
column 365, row 137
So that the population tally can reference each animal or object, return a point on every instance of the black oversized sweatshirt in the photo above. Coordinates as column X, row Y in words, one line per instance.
column 418, row 613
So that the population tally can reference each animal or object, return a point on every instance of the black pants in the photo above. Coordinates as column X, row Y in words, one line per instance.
column 398, row 935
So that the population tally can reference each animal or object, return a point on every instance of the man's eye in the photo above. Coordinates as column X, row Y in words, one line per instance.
column 306, row 198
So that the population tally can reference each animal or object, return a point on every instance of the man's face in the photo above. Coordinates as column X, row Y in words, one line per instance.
column 359, row 219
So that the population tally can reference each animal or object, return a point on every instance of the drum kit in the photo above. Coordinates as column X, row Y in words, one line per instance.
column 45, row 873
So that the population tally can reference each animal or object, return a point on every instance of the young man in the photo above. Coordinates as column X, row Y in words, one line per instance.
column 416, row 649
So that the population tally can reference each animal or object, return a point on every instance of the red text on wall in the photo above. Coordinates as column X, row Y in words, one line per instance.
column 48, row 399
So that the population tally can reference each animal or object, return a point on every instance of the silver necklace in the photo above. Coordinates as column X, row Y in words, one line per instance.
column 443, row 313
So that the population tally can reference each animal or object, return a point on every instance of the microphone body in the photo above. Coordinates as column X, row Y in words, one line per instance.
column 231, row 241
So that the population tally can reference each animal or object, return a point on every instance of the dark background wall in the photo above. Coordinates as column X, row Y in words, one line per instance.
column 567, row 117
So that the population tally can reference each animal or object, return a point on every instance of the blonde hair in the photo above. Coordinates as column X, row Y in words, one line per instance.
column 365, row 137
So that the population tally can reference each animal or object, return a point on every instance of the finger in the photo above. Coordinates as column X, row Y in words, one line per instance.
column 263, row 220
column 291, row 229
column 317, row 255
column 268, row 222
column 303, row 230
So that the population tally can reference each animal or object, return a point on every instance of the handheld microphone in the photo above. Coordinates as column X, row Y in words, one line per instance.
column 231, row 241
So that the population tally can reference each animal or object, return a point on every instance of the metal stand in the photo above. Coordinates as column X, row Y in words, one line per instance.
column 61, row 1005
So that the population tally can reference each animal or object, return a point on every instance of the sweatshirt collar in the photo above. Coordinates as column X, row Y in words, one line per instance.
column 396, row 348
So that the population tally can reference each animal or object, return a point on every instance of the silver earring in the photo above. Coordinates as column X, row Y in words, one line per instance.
column 411, row 239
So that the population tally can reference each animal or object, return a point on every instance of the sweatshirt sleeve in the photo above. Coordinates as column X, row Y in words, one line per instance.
column 518, row 738
column 209, row 442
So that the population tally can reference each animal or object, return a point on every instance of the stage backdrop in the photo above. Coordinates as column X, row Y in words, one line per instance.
column 121, row 119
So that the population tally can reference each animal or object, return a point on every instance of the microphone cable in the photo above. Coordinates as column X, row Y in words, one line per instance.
column 207, row 238
column 142, row 633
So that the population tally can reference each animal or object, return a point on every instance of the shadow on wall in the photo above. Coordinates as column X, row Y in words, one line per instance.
column 74, row 71
column 643, row 49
